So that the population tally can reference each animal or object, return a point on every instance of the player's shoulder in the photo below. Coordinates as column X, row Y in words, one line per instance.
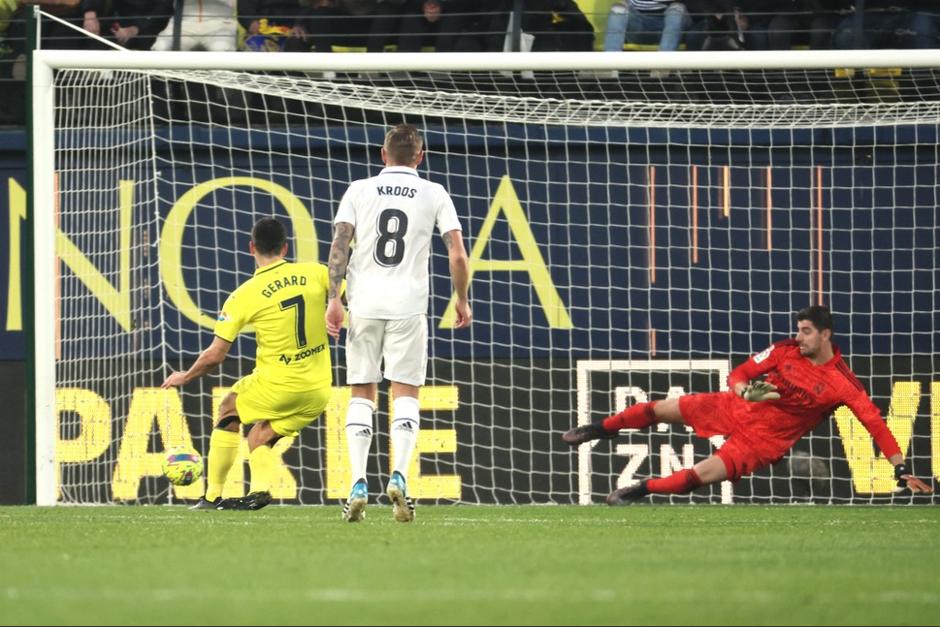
column 438, row 196
column 356, row 187
column 437, row 188
column 359, row 184
column 839, row 365
column 786, row 348
column 240, row 298
column 244, row 287
column 776, row 348
column 429, row 184
column 310, row 267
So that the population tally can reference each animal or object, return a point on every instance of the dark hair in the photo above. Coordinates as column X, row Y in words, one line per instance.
column 269, row 236
column 403, row 144
column 819, row 315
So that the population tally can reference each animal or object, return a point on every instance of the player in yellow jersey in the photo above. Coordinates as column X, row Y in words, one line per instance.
column 285, row 302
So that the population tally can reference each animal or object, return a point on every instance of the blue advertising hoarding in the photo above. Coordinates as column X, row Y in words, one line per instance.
column 616, row 270
column 586, row 244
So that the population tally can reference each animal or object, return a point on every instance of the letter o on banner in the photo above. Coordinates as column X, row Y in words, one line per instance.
column 171, row 238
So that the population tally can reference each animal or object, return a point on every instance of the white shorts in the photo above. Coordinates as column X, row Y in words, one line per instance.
column 402, row 343
column 214, row 34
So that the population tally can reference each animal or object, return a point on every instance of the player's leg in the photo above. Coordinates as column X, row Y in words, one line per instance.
column 709, row 414
column 406, row 360
column 637, row 416
column 223, row 450
column 219, row 35
column 262, row 461
column 290, row 412
column 359, row 429
column 363, row 358
column 164, row 39
column 404, row 436
column 405, row 425
column 711, row 470
column 736, row 458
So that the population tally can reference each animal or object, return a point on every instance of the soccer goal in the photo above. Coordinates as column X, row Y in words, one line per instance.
column 631, row 236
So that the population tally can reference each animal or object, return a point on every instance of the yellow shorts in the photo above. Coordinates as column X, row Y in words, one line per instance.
column 288, row 411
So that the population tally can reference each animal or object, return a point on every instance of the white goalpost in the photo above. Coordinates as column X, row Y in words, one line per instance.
column 631, row 238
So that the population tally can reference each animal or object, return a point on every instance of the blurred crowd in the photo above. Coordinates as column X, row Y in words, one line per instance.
column 466, row 25
column 305, row 25
column 474, row 25
column 773, row 24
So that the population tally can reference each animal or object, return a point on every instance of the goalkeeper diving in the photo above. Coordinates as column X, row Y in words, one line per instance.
column 806, row 380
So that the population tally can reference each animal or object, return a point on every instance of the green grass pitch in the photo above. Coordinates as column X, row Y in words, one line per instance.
column 539, row 565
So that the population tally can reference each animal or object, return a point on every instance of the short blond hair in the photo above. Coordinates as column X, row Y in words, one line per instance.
column 403, row 144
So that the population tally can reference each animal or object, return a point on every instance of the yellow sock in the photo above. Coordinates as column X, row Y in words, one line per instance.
column 223, row 449
column 262, row 461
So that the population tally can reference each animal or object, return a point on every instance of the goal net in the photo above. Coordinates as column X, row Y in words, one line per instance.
column 631, row 238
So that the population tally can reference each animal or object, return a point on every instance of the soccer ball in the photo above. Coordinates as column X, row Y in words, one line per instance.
column 182, row 466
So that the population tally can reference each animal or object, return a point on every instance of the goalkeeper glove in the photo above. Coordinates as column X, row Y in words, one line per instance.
column 899, row 471
column 759, row 391
column 902, row 472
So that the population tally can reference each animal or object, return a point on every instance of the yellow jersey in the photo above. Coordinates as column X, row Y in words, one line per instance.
column 285, row 302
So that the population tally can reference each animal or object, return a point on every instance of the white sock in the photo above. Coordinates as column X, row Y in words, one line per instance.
column 404, row 432
column 359, row 428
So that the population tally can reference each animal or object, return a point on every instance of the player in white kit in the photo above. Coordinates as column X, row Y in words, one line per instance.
column 208, row 24
column 393, row 217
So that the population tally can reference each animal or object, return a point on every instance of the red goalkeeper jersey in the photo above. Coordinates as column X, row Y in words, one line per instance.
column 809, row 393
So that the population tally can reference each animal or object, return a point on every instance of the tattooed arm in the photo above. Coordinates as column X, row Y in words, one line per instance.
column 339, row 259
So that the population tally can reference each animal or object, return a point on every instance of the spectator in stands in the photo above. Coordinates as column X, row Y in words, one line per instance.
column 316, row 28
column 272, row 25
column 431, row 23
column 369, row 23
column 483, row 29
column 450, row 25
column 7, row 9
column 384, row 27
column 205, row 25
column 557, row 25
column 646, row 22
column 804, row 22
column 55, row 35
column 728, row 25
column 129, row 23
column 891, row 24
column 135, row 24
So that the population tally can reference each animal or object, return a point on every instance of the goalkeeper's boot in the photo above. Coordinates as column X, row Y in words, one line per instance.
column 630, row 494
column 256, row 500
column 204, row 504
column 251, row 502
column 586, row 433
column 403, row 508
column 355, row 508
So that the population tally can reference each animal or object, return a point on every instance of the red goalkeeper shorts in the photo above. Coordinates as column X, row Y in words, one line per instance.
column 723, row 413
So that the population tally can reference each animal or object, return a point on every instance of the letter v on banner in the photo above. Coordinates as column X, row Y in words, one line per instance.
column 873, row 474
column 507, row 202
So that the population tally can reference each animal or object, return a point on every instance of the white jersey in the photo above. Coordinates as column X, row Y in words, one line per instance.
column 394, row 215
